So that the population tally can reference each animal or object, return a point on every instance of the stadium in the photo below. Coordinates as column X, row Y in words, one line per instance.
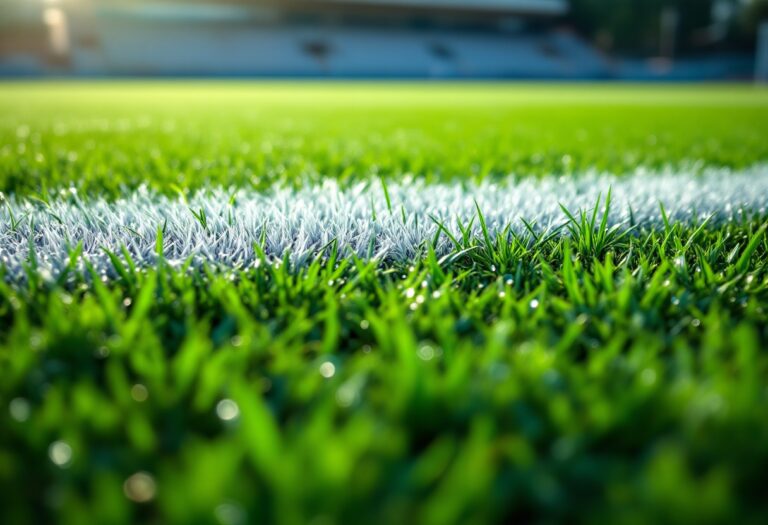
column 383, row 261
column 491, row 39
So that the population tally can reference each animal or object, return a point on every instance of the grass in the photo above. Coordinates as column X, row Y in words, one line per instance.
column 104, row 137
column 602, row 375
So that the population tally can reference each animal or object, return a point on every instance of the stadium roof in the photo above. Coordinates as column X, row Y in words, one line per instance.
column 551, row 7
column 239, row 10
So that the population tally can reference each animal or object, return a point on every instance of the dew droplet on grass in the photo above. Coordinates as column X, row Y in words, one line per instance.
column 60, row 453
column 19, row 409
column 140, row 487
column 227, row 410
column 139, row 393
column 327, row 369
column 426, row 353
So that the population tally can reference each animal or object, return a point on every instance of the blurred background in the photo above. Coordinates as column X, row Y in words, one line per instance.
column 453, row 39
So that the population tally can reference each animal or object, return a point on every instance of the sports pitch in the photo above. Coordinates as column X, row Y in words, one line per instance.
column 233, row 302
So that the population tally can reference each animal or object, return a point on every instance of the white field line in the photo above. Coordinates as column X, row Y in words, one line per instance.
column 302, row 222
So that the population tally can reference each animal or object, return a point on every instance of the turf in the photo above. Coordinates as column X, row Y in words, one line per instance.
column 104, row 137
column 592, row 374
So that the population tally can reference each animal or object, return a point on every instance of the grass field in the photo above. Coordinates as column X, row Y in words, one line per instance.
column 362, row 303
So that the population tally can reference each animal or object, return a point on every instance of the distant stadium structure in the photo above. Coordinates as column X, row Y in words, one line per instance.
column 299, row 38
column 452, row 39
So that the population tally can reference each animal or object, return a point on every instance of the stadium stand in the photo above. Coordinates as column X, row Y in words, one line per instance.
column 453, row 39
column 341, row 38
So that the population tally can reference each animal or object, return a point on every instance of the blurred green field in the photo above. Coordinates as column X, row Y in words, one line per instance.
column 591, row 377
column 102, row 137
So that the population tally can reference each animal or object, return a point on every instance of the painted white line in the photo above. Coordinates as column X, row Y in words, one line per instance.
column 302, row 222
